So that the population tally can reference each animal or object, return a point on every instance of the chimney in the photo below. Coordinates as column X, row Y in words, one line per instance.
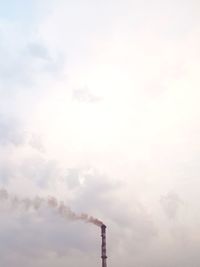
column 103, row 246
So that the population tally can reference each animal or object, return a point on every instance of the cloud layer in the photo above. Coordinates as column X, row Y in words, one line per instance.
column 99, row 108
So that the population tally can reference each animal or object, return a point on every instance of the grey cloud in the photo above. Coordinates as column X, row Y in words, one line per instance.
column 130, row 224
column 22, row 66
column 36, row 142
column 138, row 233
column 130, row 228
column 132, row 235
column 41, row 56
column 84, row 95
column 39, row 171
column 14, row 139
column 44, row 172
column 6, row 173
column 72, row 178
column 11, row 131
column 171, row 204
column 37, row 50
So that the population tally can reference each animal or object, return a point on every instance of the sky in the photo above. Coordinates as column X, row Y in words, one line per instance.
column 99, row 108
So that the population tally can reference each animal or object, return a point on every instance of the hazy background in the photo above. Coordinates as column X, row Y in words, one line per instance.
column 99, row 107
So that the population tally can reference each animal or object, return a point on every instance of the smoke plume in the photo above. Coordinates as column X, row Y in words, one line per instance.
column 50, row 202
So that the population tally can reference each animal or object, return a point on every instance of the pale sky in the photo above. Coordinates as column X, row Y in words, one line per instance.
column 99, row 107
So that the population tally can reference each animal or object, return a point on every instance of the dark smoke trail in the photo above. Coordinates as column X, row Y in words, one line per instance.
column 50, row 202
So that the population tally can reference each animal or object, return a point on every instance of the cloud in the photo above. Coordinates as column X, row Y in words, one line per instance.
column 84, row 95
column 37, row 50
column 11, row 132
column 39, row 233
column 171, row 204
column 24, row 63
column 142, row 60
column 36, row 142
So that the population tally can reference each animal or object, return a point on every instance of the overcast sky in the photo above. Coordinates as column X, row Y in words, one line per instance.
column 99, row 107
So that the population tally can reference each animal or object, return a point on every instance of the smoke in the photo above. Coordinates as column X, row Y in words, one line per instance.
column 50, row 202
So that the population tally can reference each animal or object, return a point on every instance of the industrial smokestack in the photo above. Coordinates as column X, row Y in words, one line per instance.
column 103, row 246
column 35, row 204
